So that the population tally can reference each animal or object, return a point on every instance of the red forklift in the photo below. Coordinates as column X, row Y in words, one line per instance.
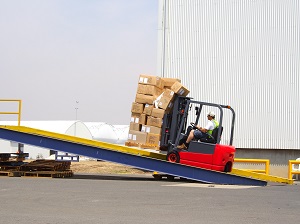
column 206, row 153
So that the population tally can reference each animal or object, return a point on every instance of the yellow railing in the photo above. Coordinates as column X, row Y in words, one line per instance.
column 17, row 112
column 263, row 161
column 291, row 172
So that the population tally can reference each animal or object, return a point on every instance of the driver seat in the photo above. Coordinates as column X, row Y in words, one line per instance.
column 213, row 137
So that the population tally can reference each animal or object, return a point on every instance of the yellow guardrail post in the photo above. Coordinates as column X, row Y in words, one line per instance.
column 265, row 161
column 290, row 169
column 19, row 109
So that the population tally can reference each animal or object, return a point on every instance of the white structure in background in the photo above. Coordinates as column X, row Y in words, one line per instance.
column 243, row 53
column 74, row 128
column 104, row 132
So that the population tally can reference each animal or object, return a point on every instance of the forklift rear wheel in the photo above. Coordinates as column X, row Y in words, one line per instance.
column 173, row 157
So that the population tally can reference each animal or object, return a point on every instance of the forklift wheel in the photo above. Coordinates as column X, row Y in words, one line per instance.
column 173, row 157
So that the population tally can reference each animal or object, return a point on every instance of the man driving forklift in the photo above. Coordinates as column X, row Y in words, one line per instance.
column 201, row 132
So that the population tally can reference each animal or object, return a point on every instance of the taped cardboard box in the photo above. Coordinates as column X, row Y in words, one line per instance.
column 168, row 82
column 168, row 93
column 135, row 126
column 137, row 108
column 151, row 80
column 149, row 90
column 164, row 103
column 137, row 136
column 169, row 108
column 153, row 139
column 179, row 89
column 157, row 112
column 138, row 118
column 151, row 129
column 148, row 109
column 154, row 121
column 144, row 99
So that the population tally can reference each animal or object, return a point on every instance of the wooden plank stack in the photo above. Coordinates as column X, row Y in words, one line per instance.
column 38, row 168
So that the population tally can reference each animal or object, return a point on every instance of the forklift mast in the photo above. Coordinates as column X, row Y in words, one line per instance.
column 174, row 122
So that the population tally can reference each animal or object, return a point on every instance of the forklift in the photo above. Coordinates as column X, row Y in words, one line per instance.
column 207, row 153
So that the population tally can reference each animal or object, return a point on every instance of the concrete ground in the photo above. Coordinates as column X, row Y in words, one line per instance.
column 137, row 199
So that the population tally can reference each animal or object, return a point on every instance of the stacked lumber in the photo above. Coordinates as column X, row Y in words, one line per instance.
column 39, row 168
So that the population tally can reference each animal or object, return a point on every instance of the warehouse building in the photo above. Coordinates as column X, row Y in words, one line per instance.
column 244, row 54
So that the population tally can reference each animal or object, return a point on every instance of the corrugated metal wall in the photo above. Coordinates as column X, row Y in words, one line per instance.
column 244, row 53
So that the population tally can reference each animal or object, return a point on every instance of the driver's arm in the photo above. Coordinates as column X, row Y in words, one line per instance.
column 204, row 130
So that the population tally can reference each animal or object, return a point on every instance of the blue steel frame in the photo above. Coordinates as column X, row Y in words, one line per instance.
column 174, row 169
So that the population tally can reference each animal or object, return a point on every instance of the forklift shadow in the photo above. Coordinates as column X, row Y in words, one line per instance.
column 126, row 177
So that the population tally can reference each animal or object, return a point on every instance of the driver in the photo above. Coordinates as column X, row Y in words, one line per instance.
column 201, row 132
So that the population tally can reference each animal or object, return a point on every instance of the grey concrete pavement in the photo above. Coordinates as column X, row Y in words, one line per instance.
column 139, row 199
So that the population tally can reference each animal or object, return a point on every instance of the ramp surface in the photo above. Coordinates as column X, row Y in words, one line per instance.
column 138, row 158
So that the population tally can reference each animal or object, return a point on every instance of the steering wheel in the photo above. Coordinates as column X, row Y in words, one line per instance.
column 193, row 125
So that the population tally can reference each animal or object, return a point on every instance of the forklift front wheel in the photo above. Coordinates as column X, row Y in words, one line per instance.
column 173, row 157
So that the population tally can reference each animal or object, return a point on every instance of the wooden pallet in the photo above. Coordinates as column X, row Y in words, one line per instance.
column 52, row 174
column 142, row 146
column 11, row 173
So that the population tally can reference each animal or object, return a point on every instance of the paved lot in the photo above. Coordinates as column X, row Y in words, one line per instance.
column 139, row 199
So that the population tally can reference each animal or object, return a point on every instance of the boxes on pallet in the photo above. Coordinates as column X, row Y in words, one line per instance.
column 149, row 90
column 168, row 82
column 135, row 126
column 137, row 108
column 148, row 109
column 137, row 136
column 138, row 118
column 151, row 129
column 153, row 139
column 179, row 89
column 154, row 121
column 151, row 80
column 144, row 99
column 157, row 112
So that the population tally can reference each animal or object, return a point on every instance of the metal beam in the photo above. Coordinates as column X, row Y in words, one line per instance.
column 141, row 162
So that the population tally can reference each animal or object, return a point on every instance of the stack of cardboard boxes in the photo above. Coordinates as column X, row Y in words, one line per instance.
column 154, row 99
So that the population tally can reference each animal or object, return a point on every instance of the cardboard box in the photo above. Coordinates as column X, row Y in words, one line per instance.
column 169, row 108
column 151, row 80
column 168, row 82
column 149, row 90
column 157, row 112
column 154, row 121
column 164, row 103
column 153, row 139
column 137, row 136
column 138, row 118
column 144, row 99
column 137, row 108
column 168, row 93
column 135, row 126
column 151, row 129
column 179, row 89
column 148, row 109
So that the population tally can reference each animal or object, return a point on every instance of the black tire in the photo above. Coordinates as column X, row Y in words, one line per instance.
column 173, row 157
column 227, row 167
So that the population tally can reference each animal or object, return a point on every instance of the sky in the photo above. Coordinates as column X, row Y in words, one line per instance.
column 59, row 55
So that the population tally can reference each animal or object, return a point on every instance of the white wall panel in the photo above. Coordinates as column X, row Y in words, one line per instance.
column 244, row 53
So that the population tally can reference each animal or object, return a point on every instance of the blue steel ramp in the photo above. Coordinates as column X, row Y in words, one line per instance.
column 119, row 154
